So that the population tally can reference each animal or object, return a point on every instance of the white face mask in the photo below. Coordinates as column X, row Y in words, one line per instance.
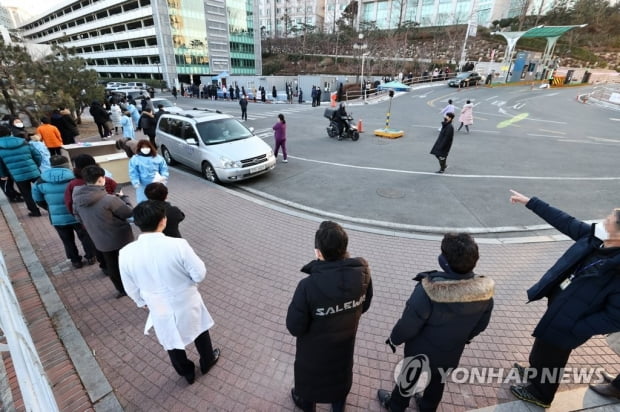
column 18, row 124
column 600, row 232
column 145, row 150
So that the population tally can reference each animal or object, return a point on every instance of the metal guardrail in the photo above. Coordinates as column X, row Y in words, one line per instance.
column 33, row 384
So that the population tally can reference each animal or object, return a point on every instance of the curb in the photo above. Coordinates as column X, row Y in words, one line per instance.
column 96, row 384
column 433, row 233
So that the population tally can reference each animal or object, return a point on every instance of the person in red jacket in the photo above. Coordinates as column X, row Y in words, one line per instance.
column 50, row 135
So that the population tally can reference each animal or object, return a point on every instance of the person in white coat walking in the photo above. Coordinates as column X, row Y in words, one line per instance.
column 467, row 116
column 166, row 282
column 116, row 115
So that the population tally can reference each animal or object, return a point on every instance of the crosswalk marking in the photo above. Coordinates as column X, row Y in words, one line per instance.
column 263, row 133
column 270, row 114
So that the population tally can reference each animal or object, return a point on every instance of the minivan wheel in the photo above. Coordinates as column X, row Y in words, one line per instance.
column 167, row 156
column 208, row 172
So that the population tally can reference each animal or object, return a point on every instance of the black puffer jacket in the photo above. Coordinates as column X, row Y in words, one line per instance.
column 590, row 305
column 324, row 315
column 99, row 114
column 445, row 312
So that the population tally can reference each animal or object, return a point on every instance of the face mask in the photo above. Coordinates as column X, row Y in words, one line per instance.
column 18, row 124
column 600, row 232
column 145, row 150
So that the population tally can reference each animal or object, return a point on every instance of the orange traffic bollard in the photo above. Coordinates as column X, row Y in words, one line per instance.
column 333, row 98
column 359, row 126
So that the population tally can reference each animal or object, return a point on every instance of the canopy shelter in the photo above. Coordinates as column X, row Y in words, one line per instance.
column 551, row 33
column 220, row 76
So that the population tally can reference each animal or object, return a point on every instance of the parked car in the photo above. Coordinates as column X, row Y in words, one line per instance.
column 216, row 144
column 135, row 93
column 168, row 105
column 114, row 85
column 137, row 85
column 465, row 79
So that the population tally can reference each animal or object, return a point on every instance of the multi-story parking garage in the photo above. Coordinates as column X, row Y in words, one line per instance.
column 172, row 40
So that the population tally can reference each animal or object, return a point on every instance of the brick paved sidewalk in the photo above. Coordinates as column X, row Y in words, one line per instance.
column 253, row 254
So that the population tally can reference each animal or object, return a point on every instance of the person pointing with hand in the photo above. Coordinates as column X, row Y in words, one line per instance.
column 583, row 294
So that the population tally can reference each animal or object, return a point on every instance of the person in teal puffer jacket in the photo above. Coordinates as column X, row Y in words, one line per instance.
column 146, row 167
column 20, row 161
column 49, row 193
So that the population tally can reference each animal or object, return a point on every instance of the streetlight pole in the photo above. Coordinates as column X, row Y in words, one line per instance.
column 362, row 80
column 361, row 45
column 469, row 23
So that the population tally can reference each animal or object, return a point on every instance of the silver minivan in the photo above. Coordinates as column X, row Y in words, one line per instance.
column 216, row 144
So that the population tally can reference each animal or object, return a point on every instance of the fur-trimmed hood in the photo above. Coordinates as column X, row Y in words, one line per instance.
column 443, row 290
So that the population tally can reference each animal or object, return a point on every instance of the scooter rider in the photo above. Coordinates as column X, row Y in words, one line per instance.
column 342, row 117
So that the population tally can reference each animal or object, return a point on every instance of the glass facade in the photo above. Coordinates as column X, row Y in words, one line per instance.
column 386, row 14
column 369, row 12
column 411, row 14
column 383, row 14
column 241, row 32
column 189, row 36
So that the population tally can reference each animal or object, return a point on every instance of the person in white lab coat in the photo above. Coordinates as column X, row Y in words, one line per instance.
column 166, row 283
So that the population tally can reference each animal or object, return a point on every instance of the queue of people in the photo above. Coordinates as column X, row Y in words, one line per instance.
column 447, row 308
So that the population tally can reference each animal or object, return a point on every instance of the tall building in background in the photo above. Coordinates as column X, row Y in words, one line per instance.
column 333, row 13
column 11, row 17
column 286, row 18
column 173, row 40
column 5, row 18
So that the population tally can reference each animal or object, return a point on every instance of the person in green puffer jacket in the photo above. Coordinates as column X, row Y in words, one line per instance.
column 20, row 161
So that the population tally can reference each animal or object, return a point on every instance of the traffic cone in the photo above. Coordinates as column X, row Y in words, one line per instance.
column 359, row 126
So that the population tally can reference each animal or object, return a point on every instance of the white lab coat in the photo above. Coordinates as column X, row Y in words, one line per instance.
column 162, row 273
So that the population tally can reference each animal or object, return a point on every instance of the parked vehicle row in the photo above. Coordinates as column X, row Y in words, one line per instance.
column 128, row 85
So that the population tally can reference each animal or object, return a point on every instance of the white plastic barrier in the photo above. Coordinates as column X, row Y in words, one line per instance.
column 33, row 384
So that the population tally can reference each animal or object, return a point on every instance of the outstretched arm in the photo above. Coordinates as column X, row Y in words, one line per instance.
column 563, row 222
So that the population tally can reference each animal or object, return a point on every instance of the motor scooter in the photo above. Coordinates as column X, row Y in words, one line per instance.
column 345, row 123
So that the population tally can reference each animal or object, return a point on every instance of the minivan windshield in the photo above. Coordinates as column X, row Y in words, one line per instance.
column 222, row 130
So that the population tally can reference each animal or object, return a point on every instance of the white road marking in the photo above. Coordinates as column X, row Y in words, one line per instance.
column 448, row 175
column 545, row 135
column 586, row 142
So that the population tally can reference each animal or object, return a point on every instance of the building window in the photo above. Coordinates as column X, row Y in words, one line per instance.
column 134, row 25
column 131, row 6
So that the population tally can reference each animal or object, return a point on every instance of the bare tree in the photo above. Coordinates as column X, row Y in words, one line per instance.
column 524, row 7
